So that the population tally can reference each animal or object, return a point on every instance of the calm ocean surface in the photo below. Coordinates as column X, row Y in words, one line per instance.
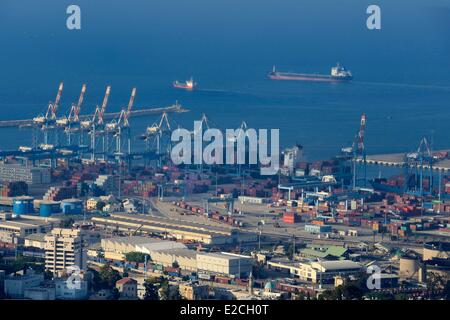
column 402, row 78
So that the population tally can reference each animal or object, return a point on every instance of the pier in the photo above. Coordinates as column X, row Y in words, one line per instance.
column 399, row 160
column 176, row 108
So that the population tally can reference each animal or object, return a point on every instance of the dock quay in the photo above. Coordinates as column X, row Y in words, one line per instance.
column 176, row 108
column 399, row 160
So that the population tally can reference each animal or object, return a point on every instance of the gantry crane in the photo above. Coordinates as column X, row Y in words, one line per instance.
column 416, row 164
column 45, row 123
column 95, row 125
column 358, row 152
column 156, row 135
column 75, row 110
column 72, row 122
column 120, row 128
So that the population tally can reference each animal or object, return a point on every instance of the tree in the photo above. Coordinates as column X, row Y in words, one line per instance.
column 108, row 277
column 381, row 296
column 67, row 223
column 168, row 292
column 48, row 275
column 175, row 264
column 447, row 290
column 100, row 205
column 100, row 254
column 350, row 290
column 84, row 189
column 137, row 257
column 151, row 291
column 115, row 294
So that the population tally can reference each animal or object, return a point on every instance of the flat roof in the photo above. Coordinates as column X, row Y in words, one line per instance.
column 185, row 253
column 133, row 240
column 173, row 222
column 338, row 264
column 21, row 224
column 166, row 224
column 36, row 236
column 222, row 255
column 146, row 244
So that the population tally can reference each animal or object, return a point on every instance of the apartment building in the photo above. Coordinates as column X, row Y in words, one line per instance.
column 64, row 248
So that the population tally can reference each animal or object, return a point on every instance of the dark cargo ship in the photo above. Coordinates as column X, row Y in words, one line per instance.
column 338, row 74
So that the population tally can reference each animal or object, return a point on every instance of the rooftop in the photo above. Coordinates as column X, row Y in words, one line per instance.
column 336, row 265
column 125, row 280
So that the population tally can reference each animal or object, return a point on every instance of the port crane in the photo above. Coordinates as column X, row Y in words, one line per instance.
column 45, row 123
column 416, row 164
column 358, row 151
column 157, row 135
column 75, row 110
column 72, row 122
column 50, row 115
column 95, row 125
column 121, row 127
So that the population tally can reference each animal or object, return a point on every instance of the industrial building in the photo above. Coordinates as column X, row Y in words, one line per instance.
column 165, row 253
column 15, row 285
column 25, row 225
column 185, row 258
column 225, row 263
column 64, row 248
column 117, row 248
column 35, row 240
column 48, row 208
column 253, row 200
column 316, row 228
column 194, row 291
column 324, row 252
column 17, row 172
column 325, row 271
column 23, row 205
column 318, row 271
column 181, row 230
column 72, row 206
column 436, row 250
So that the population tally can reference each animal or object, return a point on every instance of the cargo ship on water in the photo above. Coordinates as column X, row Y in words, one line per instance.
column 337, row 74
column 187, row 85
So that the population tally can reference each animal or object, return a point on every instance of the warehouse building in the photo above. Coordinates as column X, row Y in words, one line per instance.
column 24, row 225
column 35, row 240
column 180, row 230
column 117, row 248
column 225, row 264
column 436, row 250
column 315, row 228
column 185, row 258
column 15, row 285
column 165, row 253
column 325, row 252
column 18, row 172
column 318, row 271
column 325, row 271
column 253, row 200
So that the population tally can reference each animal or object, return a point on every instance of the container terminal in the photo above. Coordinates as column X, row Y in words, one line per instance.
column 214, row 231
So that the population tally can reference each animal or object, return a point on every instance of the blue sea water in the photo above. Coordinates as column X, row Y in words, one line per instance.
column 402, row 79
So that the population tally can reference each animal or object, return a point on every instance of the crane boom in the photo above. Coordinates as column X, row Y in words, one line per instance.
column 130, row 106
column 358, row 144
column 104, row 104
column 125, row 114
column 131, row 102
column 76, row 109
column 57, row 100
column 81, row 99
